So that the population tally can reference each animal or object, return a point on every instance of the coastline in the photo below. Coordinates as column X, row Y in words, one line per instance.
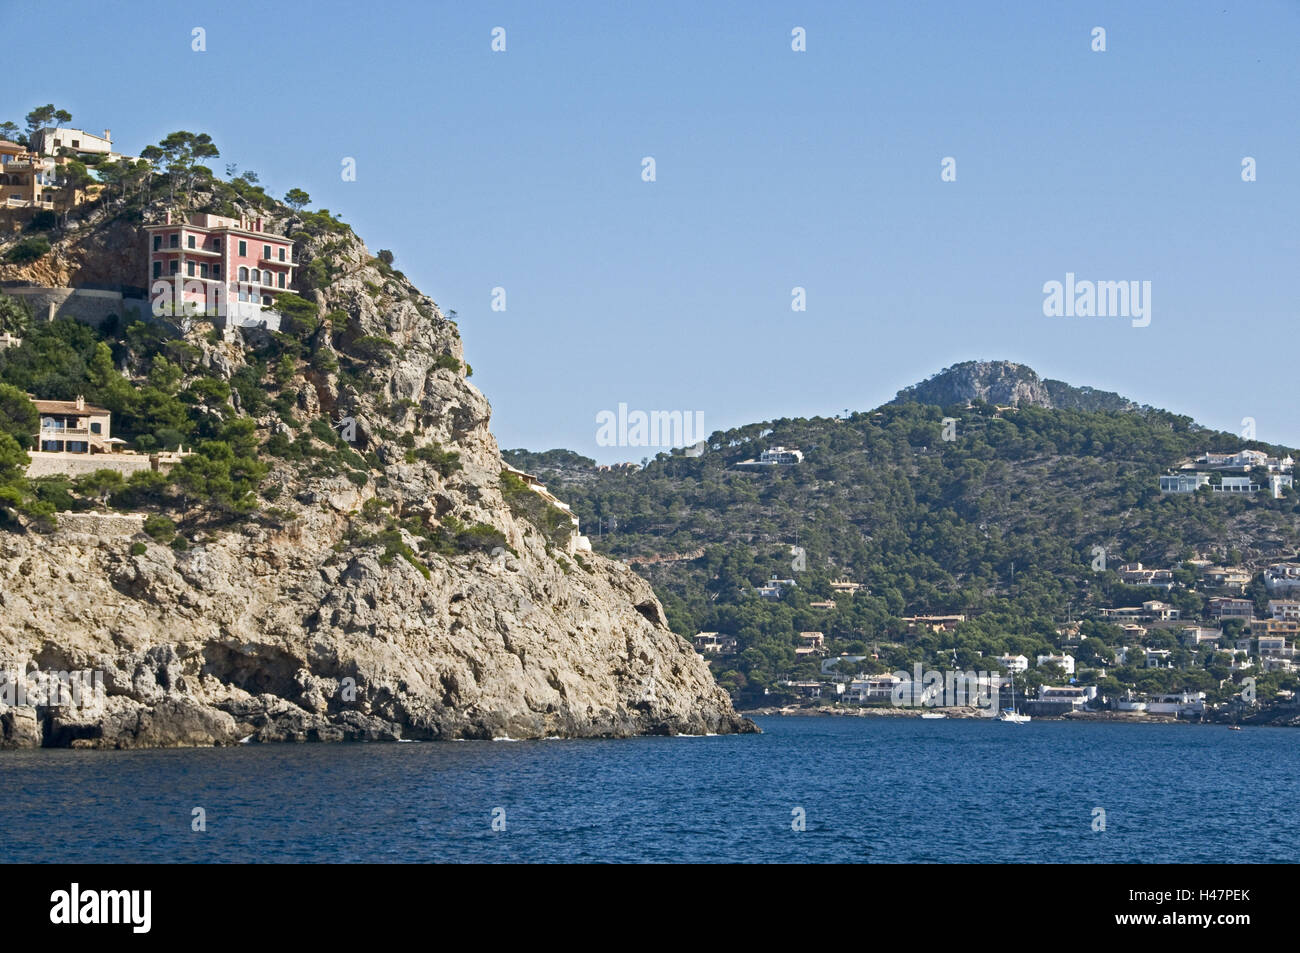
column 971, row 713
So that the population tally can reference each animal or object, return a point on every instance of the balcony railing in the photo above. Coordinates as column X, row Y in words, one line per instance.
column 64, row 433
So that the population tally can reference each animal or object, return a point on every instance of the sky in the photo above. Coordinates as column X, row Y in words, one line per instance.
column 522, row 169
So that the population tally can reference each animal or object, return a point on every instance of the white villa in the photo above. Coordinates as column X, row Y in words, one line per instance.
column 1066, row 662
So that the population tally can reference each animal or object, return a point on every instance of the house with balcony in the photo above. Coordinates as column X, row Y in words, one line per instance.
column 1135, row 574
column 871, row 688
column 1221, row 577
column 1239, row 484
column 1183, row 482
column 1224, row 608
column 1014, row 663
column 221, row 267
column 1284, row 610
column 31, row 183
column 75, row 438
column 710, row 643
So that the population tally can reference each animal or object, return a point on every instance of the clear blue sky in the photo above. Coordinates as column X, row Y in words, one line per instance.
column 819, row 169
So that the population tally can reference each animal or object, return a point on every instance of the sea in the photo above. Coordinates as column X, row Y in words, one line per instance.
column 806, row 790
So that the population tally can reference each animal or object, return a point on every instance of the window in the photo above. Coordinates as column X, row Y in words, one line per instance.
column 216, row 244
column 243, row 273
column 173, row 241
column 157, row 269
column 76, row 143
column 157, row 242
column 257, row 277
column 191, row 240
column 282, row 279
column 175, row 268
column 266, row 299
column 189, row 269
column 216, row 271
column 266, row 252
column 203, row 271
column 243, row 249
column 282, row 254
column 96, row 427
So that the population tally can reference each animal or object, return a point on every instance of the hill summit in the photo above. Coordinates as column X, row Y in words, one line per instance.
column 1006, row 383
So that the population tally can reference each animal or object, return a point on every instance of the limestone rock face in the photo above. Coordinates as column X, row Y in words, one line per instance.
column 298, row 625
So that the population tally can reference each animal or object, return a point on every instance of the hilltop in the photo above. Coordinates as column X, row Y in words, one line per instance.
column 1006, row 383
column 1012, row 502
column 339, row 553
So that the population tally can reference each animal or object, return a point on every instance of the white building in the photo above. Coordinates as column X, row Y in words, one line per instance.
column 1277, row 482
column 871, row 688
column 1014, row 663
column 1066, row 662
column 1159, row 658
column 1183, row 482
column 1077, row 695
column 1282, row 577
column 1241, row 484
column 1285, row 610
column 781, row 456
column 1181, row 705
column 48, row 142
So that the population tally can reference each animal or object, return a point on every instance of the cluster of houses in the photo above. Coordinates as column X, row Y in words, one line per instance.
column 1191, row 476
column 31, row 177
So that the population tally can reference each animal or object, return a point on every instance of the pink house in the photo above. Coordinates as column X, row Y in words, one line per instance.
column 216, row 265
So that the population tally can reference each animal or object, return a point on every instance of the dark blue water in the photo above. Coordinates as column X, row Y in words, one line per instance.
column 871, row 789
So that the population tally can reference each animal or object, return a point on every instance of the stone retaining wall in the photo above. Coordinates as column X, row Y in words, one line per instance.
column 101, row 524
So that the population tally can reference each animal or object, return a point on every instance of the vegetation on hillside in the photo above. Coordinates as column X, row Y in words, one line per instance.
column 999, row 524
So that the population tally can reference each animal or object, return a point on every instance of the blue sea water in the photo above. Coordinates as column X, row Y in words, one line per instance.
column 880, row 790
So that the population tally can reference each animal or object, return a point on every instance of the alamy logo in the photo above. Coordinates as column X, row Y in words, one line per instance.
column 52, row 689
column 1098, row 299
column 103, row 906
column 658, row 428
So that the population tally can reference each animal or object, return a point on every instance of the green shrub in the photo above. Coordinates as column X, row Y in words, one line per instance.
column 28, row 250
column 139, row 549
column 160, row 528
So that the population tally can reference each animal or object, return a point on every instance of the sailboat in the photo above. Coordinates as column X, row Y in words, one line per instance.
column 1010, row 714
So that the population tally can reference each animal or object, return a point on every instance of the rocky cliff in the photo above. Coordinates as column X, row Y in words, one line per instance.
column 298, row 623
column 1008, row 384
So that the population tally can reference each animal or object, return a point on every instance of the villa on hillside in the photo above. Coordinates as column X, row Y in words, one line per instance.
column 577, row 542
column 1284, row 610
column 1244, row 460
column 1221, row 608
column 1226, row 578
column 75, row 439
column 710, row 643
column 1134, row 574
column 1282, row 577
column 774, row 457
column 219, row 266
